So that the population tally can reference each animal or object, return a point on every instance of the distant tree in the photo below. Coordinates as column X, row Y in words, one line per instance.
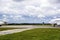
column 5, row 22
column 43, row 23
column 55, row 25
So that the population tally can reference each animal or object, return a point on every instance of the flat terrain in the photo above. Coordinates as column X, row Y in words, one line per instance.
column 9, row 29
column 28, row 26
column 2, row 29
column 35, row 34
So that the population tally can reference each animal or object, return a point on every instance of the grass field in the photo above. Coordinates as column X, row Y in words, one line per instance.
column 34, row 34
column 2, row 29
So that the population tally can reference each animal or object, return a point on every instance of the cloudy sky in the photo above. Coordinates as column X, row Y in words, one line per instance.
column 29, row 11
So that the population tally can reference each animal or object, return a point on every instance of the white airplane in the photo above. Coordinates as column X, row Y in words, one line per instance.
column 55, row 21
column 2, row 22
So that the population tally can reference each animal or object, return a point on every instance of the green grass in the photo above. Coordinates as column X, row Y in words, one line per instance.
column 35, row 34
column 2, row 29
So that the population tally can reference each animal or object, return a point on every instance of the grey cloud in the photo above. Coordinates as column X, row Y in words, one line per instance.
column 54, row 1
column 18, row 0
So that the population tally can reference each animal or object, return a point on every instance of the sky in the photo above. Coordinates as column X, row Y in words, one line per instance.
column 29, row 11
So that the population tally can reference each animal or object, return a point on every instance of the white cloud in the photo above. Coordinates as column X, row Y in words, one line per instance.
column 5, row 18
column 18, row 18
column 38, row 8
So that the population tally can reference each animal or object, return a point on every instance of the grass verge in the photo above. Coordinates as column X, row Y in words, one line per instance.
column 2, row 29
column 34, row 34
